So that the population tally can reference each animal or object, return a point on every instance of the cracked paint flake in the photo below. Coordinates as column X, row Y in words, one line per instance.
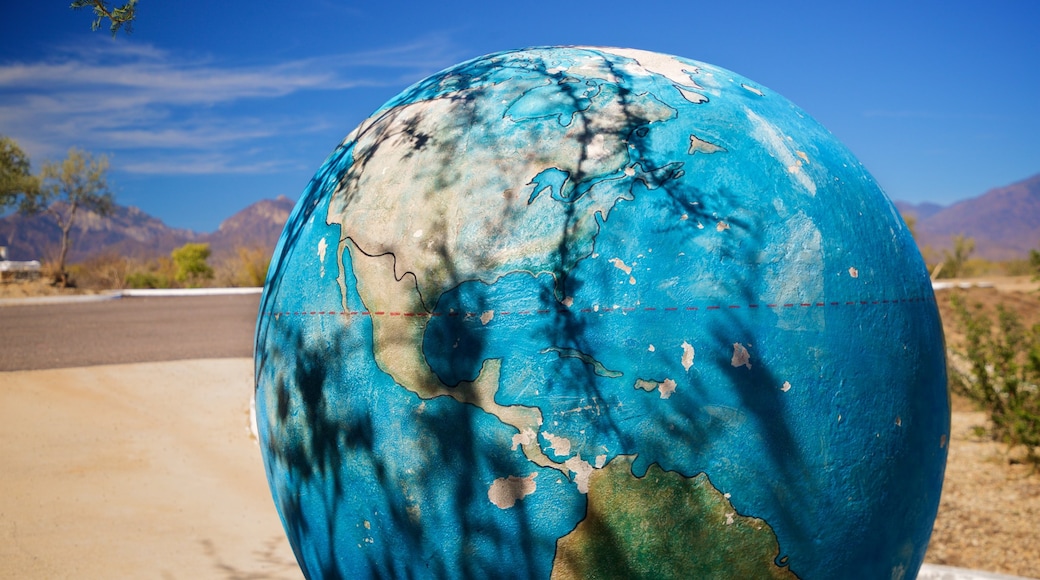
column 786, row 387
column 487, row 316
column 721, row 227
column 525, row 437
column 666, row 388
column 698, row 145
column 741, row 358
column 620, row 265
column 687, row 355
column 322, row 247
column 751, row 89
column 561, row 446
column 853, row 272
column 506, row 491
column 692, row 96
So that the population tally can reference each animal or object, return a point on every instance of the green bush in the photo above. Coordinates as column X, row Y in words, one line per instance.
column 190, row 261
column 1003, row 375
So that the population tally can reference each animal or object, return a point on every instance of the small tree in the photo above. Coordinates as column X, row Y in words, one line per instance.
column 954, row 262
column 122, row 17
column 78, row 182
column 15, row 179
column 190, row 261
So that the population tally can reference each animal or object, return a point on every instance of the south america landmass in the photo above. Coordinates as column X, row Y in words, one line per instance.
column 664, row 525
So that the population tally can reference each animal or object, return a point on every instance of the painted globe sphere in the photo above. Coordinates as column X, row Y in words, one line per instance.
column 593, row 313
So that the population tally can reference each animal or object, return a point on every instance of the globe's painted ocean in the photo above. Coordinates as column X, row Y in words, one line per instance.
column 574, row 312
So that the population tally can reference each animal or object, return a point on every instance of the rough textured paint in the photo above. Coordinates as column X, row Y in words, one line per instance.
column 477, row 392
column 631, row 524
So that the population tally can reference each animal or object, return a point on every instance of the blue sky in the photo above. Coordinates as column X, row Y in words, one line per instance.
column 210, row 106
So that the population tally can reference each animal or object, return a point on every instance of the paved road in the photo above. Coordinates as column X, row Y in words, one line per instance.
column 126, row 330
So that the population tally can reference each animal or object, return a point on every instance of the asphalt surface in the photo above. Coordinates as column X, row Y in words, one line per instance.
column 126, row 330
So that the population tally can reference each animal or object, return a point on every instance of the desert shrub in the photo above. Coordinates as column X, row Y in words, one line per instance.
column 106, row 271
column 156, row 273
column 1002, row 374
column 190, row 262
column 246, row 268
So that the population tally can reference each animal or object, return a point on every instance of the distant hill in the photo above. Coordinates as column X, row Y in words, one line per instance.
column 1005, row 221
column 921, row 211
column 131, row 232
column 258, row 225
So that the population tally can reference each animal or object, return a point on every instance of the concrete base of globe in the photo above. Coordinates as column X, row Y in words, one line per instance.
column 933, row 572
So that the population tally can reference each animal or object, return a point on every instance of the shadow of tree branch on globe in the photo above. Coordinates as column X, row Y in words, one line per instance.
column 576, row 312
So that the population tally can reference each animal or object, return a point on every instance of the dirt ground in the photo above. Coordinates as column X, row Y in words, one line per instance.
column 989, row 515
column 135, row 471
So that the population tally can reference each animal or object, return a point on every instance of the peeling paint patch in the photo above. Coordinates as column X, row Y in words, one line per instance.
column 525, row 437
column 581, row 470
column 786, row 387
column 487, row 316
column 741, row 358
column 687, row 355
column 620, row 265
column 853, row 272
column 322, row 247
column 568, row 301
column 698, row 145
column 665, row 388
column 506, row 491
column 692, row 96
column 721, row 227
column 751, row 89
column 729, row 518
column 651, row 348
column 561, row 446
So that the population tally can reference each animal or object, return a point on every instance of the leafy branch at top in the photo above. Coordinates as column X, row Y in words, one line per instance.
column 121, row 17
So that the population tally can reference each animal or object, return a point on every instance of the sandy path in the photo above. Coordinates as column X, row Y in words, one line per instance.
column 135, row 471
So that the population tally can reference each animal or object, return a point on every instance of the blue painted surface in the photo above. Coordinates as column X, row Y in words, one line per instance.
column 713, row 213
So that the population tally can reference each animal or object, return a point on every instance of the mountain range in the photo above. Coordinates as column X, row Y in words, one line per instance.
column 1004, row 222
column 131, row 232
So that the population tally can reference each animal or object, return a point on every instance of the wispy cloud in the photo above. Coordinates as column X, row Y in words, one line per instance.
column 164, row 112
